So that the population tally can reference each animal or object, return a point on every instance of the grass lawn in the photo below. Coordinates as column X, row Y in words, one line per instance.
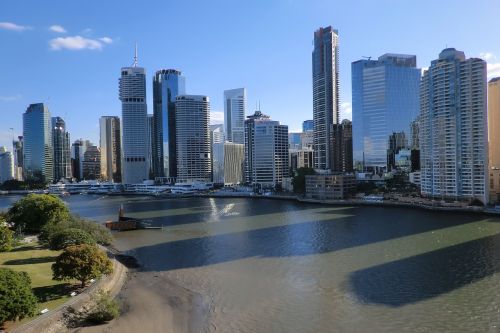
column 37, row 262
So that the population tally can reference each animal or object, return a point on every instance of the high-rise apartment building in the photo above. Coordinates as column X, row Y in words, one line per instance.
column 62, row 149
column 266, row 151
column 37, row 134
column 234, row 158
column 6, row 165
column 217, row 142
column 325, row 74
column 453, row 128
column 385, row 99
column 78, row 149
column 193, row 138
column 341, row 145
column 234, row 114
column 135, row 166
column 92, row 163
column 494, row 138
column 110, row 143
column 167, row 85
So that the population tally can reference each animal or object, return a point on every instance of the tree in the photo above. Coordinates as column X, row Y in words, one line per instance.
column 34, row 211
column 6, row 237
column 98, row 232
column 299, row 181
column 105, row 308
column 16, row 297
column 69, row 237
column 81, row 262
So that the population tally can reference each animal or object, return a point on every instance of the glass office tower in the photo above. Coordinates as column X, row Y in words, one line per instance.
column 385, row 99
column 135, row 166
column 37, row 156
column 234, row 114
column 62, row 149
column 167, row 85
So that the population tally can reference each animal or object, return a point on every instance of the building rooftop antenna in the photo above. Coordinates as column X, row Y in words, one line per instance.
column 135, row 56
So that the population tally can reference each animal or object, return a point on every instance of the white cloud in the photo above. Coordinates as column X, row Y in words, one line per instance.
column 13, row 27
column 106, row 40
column 78, row 43
column 345, row 110
column 493, row 64
column 57, row 28
column 10, row 98
column 216, row 117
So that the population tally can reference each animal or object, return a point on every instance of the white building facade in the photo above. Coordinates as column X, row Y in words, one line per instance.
column 453, row 128
column 234, row 114
column 135, row 148
column 193, row 138
column 6, row 165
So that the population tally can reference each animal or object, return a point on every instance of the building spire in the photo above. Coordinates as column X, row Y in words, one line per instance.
column 135, row 56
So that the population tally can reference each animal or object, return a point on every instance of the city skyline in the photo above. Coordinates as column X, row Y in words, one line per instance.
column 104, row 46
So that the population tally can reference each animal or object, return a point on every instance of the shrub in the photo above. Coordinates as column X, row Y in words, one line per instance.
column 69, row 237
column 99, row 233
column 81, row 262
column 6, row 236
column 16, row 297
column 34, row 211
column 105, row 309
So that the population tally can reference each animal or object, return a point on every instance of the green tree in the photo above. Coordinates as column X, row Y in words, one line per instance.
column 98, row 232
column 69, row 237
column 105, row 308
column 299, row 181
column 34, row 211
column 6, row 236
column 16, row 297
column 81, row 262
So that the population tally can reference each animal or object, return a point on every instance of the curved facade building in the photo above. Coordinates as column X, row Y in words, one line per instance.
column 453, row 128
column 167, row 85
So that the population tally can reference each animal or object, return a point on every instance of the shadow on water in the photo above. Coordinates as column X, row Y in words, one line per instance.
column 428, row 275
column 367, row 226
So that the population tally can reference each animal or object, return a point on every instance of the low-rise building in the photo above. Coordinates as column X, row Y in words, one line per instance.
column 330, row 187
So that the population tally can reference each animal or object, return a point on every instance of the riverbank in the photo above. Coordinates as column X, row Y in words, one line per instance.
column 153, row 303
column 54, row 320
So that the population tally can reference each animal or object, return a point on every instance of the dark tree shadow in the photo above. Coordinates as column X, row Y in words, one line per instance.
column 28, row 261
column 427, row 275
column 49, row 293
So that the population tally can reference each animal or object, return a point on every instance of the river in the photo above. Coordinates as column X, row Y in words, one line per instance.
column 282, row 266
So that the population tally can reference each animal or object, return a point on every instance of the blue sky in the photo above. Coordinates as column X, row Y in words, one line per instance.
column 68, row 54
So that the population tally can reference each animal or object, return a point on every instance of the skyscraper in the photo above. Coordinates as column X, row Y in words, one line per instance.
column 110, row 142
column 78, row 149
column 266, row 151
column 341, row 145
column 325, row 73
column 217, row 142
column 453, row 128
column 18, row 158
column 234, row 114
column 92, row 163
column 6, row 165
column 494, row 137
column 307, row 125
column 167, row 85
column 150, row 139
column 135, row 166
column 234, row 158
column 384, row 100
column 193, row 138
column 38, row 159
column 62, row 149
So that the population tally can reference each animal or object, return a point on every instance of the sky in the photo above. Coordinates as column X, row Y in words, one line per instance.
column 68, row 54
